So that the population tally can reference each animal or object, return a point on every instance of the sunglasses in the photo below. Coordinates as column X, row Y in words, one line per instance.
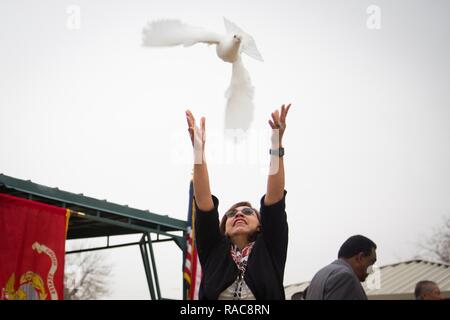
column 246, row 211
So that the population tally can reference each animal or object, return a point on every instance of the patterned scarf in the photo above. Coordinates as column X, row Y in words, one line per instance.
column 240, row 257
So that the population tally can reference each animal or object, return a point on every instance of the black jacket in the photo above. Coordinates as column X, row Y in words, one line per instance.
column 265, row 269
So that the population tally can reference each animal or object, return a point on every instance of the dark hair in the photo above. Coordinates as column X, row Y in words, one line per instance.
column 356, row 244
column 223, row 222
column 421, row 287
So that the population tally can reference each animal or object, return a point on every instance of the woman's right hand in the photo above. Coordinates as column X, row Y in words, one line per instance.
column 202, row 190
column 197, row 134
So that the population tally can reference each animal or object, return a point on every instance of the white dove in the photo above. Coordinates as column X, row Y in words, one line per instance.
column 239, row 110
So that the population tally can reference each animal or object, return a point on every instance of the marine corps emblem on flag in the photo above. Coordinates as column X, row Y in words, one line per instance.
column 31, row 285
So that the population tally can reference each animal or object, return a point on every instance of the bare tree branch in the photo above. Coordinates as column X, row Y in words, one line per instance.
column 87, row 275
column 437, row 247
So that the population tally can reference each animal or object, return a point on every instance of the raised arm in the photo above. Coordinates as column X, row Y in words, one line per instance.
column 275, row 181
column 202, row 190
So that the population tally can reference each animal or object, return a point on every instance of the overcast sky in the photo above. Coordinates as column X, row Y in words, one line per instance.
column 367, row 144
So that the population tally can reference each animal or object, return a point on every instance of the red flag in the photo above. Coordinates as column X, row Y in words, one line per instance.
column 32, row 248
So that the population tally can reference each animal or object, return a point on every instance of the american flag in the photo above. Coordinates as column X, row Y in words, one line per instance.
column 192, row 272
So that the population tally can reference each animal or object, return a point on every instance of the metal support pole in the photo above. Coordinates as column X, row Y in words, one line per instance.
column 148, row 272
column 153, row 262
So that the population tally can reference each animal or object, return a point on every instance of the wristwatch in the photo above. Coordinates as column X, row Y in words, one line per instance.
column 277, row 152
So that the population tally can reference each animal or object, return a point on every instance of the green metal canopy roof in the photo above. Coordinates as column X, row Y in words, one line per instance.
column 95, row 218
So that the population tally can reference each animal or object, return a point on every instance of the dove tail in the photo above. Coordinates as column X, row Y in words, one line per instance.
column 239, row 109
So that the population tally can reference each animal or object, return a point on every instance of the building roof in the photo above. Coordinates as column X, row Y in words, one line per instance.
column 396, row 281
column 399, row 280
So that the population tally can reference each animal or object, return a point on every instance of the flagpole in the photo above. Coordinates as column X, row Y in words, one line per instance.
column 185, row 236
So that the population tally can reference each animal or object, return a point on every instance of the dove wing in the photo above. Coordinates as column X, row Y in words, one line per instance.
column 248, row 43
column 239, row 109
column 166, row 33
